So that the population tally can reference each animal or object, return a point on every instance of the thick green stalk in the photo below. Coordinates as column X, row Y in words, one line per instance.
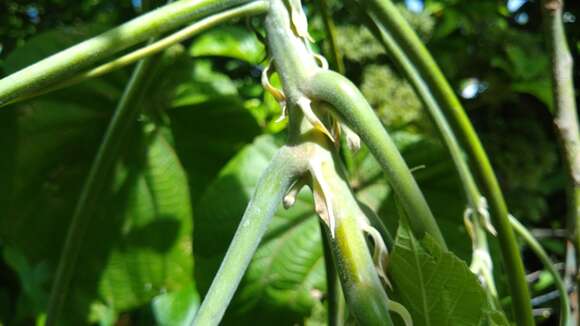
column 252, row 8
column 536, row 247
column 64, row 64
column 354, row 110
column 392, row 21
column 565, row 117
column 361, row 285
column 295, row 64
column 270, row 190
column 124, row 116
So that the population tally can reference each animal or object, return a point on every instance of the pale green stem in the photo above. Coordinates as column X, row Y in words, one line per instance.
column 335, row 57
column 66, row 63
column 295, row 64
column 468, row 183
column 393, row 22
column 334, row 298
column 536, row 247
column 363, row 290
column 270, row 190
column 565, row 120
column 99, row 174
column 353, row 109
column 252, row 8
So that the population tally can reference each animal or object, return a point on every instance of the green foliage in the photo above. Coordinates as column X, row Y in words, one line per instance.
column 286, row 275
column 197, row 150
column 229, row 41
column 433, row 284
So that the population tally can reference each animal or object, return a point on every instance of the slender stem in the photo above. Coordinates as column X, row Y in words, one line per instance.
column 529, row 239
column 353, row 109
column 273, row 185
column 470, row 188
column 389, row 16
column 334, row 300
column 565, row 118
column 65, row 63
column 334, row 54
column 98, row 177
column 252, row 8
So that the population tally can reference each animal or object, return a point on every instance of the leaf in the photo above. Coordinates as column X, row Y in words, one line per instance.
column 33, row 281
column 176, row 308
column 229, row 41
column 286, row 276
column 139, row 243
column 435, row 286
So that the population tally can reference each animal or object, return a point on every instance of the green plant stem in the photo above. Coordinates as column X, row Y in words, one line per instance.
column 295, row 64
column 64, row 64
column 124, row 116
column 252, row 8
column 565, row 118
column 389, row 17
column 353, row 109
column 334, row 54
column 270, row 190
column 362, row 287
column 529, row 239
column 470, row 188
column 335, row 306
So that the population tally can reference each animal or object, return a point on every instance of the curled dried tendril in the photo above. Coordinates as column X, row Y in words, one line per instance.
column 380, row 253
column 400, row 310
column 481, row 262
column 483, row 210
column 323, row 199
column 299, row 20
column 290, row 197
column 275, row 92
column 305, row 106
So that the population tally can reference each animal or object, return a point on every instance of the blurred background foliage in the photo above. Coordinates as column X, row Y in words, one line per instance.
column 206, row 132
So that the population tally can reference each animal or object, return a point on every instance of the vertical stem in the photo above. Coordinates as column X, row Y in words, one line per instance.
column 334, row 54
column 272, row 186
column 470, row 188
column 565, row 116
column 335, row 305
column 99, row 174
column 393, row 22
column 364, row 293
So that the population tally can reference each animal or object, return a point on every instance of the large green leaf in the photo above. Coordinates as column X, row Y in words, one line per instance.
column 137, row 248
column 229, row 41
column 286, row 277
column 435, row 286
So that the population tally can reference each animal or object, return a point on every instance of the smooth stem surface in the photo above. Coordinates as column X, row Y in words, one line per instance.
column 363, row 291
column 354, row 110
column 334, row 298
column 267, row 197
column 470, row 188
column 65, row 63
column 99, row 174
column 565, row 118
column 389, row 17
column 252, row 8
column 469, row 185
column 335, row 57
column 536, row 247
